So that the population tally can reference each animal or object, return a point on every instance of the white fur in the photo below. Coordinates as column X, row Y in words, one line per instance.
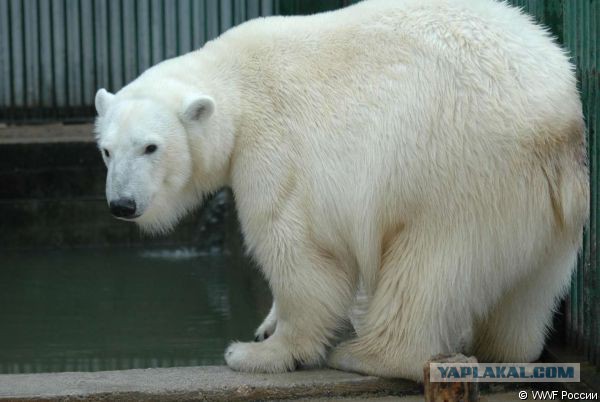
column 432, row 151
column 267, row 328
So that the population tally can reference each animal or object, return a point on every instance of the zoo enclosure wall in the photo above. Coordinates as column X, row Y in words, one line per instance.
column 55, row 54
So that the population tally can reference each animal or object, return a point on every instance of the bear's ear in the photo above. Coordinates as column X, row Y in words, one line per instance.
column 103, row 99
column 198, row 108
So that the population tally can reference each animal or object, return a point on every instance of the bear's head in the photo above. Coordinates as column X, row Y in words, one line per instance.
column 146, row 147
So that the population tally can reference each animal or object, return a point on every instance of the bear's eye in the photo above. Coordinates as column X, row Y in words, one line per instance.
column 150, row 149
column 106, row 153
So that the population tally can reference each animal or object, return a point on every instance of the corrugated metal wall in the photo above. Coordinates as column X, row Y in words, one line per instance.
column 54, row 54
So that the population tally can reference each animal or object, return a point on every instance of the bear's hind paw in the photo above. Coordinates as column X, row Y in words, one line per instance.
column 342, row 358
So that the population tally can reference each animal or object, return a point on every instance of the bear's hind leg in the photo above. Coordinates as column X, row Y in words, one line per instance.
column 515, row 330
column 414, row 313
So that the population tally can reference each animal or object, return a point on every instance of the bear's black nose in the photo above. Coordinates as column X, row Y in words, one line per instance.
column 123, row 208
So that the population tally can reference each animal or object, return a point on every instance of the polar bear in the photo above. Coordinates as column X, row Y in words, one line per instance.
column 430, row 153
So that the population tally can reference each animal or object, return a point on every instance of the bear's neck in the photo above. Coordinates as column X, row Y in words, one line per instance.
column 212, row 71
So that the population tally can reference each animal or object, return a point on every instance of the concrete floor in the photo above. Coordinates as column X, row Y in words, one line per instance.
column 221, row 384
column 197, row 383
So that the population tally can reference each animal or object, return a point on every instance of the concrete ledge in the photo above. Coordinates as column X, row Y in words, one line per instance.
column 197, row 383
column 47, row 133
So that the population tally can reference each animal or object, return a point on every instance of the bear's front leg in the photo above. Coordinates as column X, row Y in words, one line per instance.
column 313, row 295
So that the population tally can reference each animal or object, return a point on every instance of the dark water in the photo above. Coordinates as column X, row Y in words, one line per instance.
column 88, row 310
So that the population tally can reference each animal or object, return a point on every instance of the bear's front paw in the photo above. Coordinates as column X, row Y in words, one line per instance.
column 264, row 357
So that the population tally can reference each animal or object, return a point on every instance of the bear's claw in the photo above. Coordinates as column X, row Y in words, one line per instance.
column 262, row 336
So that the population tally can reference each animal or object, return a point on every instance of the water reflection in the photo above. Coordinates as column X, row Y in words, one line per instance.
column 88, row 310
